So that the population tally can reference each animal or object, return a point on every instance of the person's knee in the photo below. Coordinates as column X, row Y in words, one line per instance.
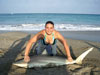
column 49, row 49
column 38, row 51
column 54, row 52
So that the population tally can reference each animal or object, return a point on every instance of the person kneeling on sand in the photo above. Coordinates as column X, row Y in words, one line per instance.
column 47, row 40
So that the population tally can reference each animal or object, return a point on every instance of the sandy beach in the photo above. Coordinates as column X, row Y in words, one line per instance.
column 12, row 47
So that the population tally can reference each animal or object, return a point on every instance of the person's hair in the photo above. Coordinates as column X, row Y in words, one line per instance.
column 49, row 22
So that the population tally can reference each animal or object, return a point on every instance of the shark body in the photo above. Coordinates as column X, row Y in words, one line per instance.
column 45, row 61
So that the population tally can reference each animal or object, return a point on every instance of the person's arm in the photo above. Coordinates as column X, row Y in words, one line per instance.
column 63, row 41
column 29, row 44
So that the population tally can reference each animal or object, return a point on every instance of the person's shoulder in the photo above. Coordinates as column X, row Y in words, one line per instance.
column 41, row 32
column 58, row 35
column 56, row 32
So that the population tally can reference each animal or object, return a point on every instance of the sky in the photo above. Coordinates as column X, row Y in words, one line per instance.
column 50, row 6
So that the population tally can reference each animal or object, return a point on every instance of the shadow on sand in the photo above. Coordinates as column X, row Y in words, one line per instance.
column 9, row 57
column 16, row 48
column 93, row 46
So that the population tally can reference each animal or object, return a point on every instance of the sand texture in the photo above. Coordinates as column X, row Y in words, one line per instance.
column 12, row 47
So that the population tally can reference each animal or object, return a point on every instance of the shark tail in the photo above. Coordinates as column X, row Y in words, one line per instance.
column 82, row 56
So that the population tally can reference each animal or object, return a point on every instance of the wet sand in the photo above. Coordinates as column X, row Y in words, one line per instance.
column 12, row 47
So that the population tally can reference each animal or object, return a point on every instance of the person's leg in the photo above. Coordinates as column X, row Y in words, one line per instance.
column 40, row 48
column 49, row 49
column 54, row 52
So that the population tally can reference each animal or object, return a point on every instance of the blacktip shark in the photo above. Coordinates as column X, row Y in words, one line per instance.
column 44, row 61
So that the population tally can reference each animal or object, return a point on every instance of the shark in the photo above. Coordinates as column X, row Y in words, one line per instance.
column 47, row 61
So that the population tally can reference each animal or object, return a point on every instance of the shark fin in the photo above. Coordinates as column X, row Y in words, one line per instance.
column 82, row 56
column 21, row 64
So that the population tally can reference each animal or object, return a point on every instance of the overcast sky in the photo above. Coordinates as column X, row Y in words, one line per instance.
column 50, row 6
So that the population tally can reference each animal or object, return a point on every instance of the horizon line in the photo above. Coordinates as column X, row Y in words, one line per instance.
column 50, row 13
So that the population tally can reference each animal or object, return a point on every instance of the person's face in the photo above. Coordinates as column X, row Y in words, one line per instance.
column 49, row 28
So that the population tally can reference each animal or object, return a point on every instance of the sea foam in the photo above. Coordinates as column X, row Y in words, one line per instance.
column 60, row 27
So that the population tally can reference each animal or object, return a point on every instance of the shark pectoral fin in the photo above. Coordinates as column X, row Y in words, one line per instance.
column 21, row 64
column 82, row 56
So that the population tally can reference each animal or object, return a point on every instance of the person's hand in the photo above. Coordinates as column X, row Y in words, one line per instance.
column 26, row 58
column 70, row 59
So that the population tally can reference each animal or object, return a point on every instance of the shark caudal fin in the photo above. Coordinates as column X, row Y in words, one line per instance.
column 82, row 56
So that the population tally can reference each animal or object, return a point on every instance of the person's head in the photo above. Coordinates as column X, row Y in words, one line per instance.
column 49, row 27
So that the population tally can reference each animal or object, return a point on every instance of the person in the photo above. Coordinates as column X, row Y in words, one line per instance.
column 47, row 40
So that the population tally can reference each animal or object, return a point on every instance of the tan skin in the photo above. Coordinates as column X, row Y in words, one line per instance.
column 49, row 29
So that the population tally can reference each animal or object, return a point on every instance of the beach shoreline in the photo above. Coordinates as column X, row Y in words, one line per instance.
column 12, row 47
column 77, row 35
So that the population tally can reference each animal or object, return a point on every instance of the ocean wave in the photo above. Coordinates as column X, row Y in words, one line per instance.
column 60, row 27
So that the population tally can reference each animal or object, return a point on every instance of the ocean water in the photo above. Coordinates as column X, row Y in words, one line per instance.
column 36, row 21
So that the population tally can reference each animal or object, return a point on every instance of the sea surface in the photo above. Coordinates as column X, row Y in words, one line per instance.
column 78, row 26
column 63, row 22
